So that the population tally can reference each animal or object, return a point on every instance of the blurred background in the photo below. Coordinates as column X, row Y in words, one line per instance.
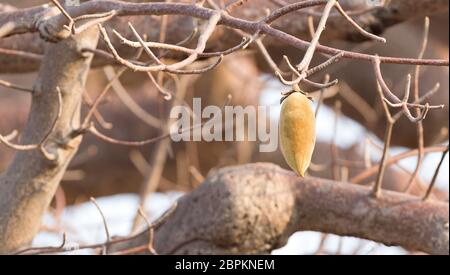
column 116, row 174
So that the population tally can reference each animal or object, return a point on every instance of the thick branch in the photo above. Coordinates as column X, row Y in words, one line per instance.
column 254, row 209
column 29, row 184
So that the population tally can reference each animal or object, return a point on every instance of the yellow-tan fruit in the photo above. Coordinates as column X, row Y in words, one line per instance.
column 297, row 132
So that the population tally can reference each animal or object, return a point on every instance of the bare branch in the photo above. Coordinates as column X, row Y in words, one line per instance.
column 278, row 203
column 15, row 87
column 420, row 130
column 29, row 183
column 392, row 160
column 53, row 23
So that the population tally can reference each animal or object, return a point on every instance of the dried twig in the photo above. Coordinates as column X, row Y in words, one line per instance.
column 41, row 145
column 105, row 225
column 15, row 87
column 416, row 96
column 151, row 231
column 115, row 241
column 93, row 19
column 129, row 9
column 40, row 250
column 392, row 160
column 356, row 26
column 127, row 100
column 304, row 64
column 436, row 173
column 173, row 68
column 392, row 100
column 98, row 116
column 387, row 143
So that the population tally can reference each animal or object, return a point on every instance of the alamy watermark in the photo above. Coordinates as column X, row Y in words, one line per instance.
column 231, row 123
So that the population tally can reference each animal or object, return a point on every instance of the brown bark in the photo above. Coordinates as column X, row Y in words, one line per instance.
column 254, row 208
column 29, row 184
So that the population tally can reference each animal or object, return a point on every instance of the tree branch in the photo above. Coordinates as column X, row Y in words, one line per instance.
column 30, row 182
column 254, row 208
column 245, row 19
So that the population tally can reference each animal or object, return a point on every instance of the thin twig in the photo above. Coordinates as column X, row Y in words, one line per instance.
column 15, row 87
column 387, row 143
column 357, row 27
column 151, row 231
column 436, row 173
column 392, row 100
column 69, row 18
column 156, row 224
column 420, row 130
column 41, row 145
column 105, row 224
column 304, row 64
column 127, row 100
column 129, row 9
column 43, row 249
column 392, row 160
column 98, row 116
column 173, row 68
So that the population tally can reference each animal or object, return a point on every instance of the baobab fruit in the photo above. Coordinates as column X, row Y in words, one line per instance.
column 297, row 131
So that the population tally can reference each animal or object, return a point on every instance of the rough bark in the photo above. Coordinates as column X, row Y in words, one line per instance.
column 254, row 208
column 28, row 185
